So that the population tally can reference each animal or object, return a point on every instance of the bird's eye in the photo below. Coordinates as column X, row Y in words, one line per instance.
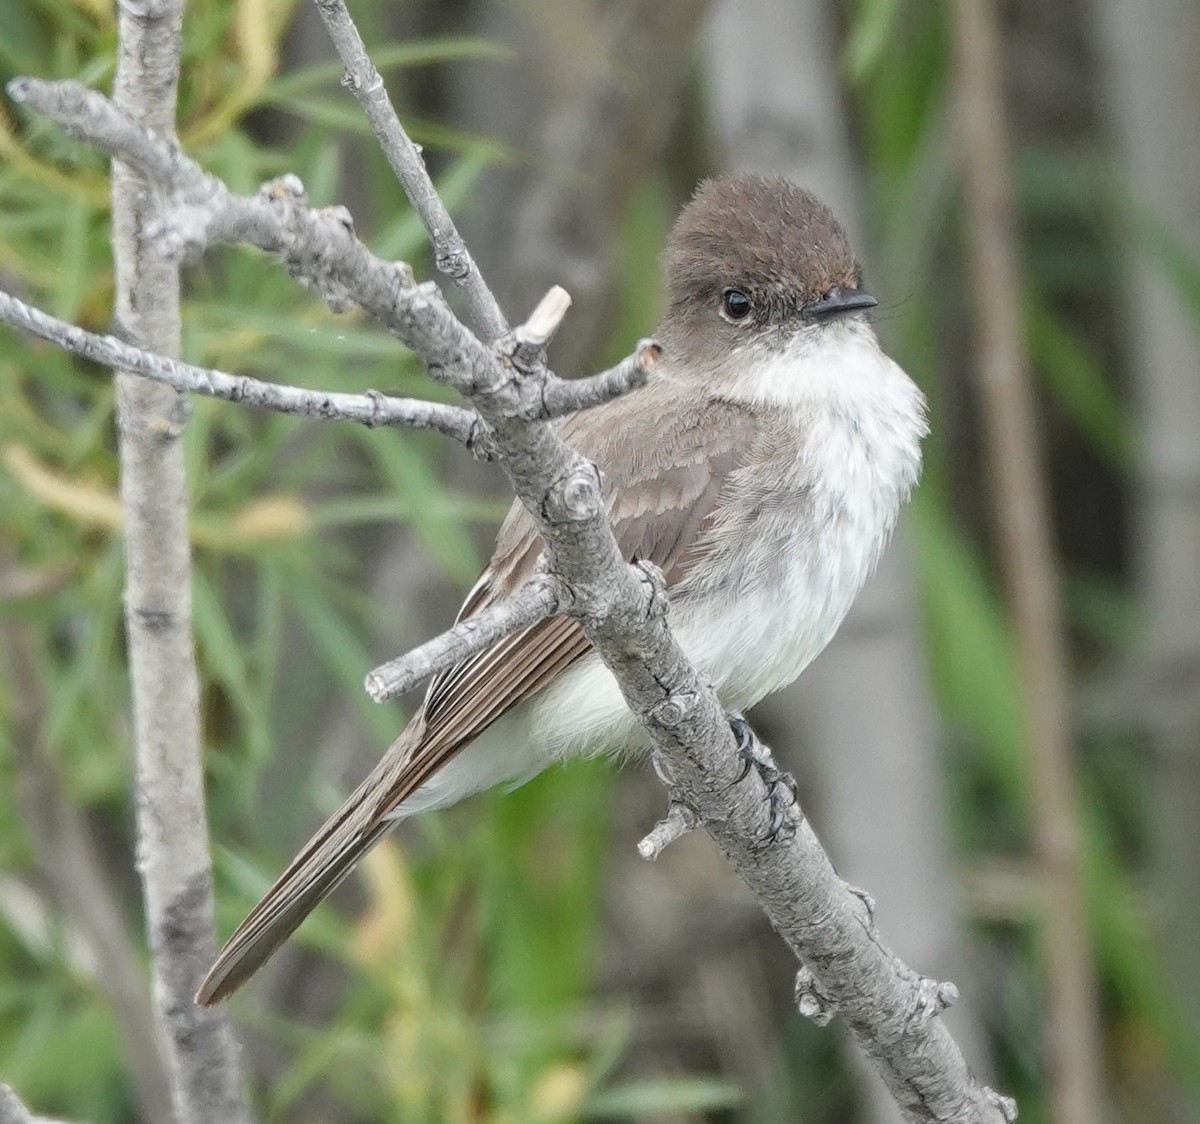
column 735, row 305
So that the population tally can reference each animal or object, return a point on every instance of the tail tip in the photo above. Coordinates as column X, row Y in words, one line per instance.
column 216, row 987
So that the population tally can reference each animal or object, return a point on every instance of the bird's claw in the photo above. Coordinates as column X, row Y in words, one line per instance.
column 781, row 787
column 782, row 797
column 661, row 769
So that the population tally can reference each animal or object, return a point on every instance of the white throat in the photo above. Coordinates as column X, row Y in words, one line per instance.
column 838, row 365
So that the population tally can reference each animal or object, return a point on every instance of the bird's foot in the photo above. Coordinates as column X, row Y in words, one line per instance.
column 781, row 787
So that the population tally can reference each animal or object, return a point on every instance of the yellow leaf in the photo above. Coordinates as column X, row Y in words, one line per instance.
column 558, row 1092
column 266, row 519
column 272, row 517
column 85, row 502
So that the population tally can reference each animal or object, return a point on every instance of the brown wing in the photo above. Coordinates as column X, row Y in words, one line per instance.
column 663, row 490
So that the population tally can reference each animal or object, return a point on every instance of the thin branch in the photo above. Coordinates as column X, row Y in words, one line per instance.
column 1072, row 1032
column 175, row 858
column 679, row 820
column 322, row 251
column 450, row 252
column 565, row 396
column 535, row 601
column 89, row 116
column 319, row 246
column 370, row 408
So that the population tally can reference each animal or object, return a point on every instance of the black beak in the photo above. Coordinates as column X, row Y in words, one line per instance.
column 837, row 301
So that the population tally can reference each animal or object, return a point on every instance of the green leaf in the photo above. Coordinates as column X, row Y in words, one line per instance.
column 1170, row 253
column 343, row 652
column 407, row 470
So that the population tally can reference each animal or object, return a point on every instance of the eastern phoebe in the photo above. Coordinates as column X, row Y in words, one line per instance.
column 762, row 469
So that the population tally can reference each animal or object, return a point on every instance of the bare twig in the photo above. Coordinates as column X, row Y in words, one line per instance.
column 565, row 396
column 370, row 408
column 533, row 602
column 679, row 820
column 173, row 847
column 450, row 252
column 321, row 249
column 541, row 324
column 527, row 348
column 1072, row 1035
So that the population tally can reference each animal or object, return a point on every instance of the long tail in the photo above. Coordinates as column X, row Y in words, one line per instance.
column 330, row 855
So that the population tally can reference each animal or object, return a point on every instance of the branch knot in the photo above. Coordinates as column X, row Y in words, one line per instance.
column 811, row 1001
column 674, row 710
column 655, row 581
column 867, row 900
column 574, row 497
column 681, row 818
column 1006, row 1105
column 932, row 998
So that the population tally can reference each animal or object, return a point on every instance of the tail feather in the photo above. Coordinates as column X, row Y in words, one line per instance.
column 301, row 888
column 313, row 875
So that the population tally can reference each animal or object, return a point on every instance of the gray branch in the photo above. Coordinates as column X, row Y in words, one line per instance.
column 533, row 602
column 621, row 607
column 370, row 408
column 174, row 855
column 566, row 396
column 450, row 252
column 679, row 820
column 322, row 251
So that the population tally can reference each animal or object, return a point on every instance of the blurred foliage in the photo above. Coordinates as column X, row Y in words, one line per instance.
column 1069, row 198
column 470, row 990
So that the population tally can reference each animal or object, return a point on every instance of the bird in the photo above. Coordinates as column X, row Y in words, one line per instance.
column 762, row 468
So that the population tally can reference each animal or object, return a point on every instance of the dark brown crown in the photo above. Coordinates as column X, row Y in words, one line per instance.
column 764, row 236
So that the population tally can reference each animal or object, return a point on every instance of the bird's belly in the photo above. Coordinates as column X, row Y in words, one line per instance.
column 747, row 639
column 747, row 644
column 753, row 641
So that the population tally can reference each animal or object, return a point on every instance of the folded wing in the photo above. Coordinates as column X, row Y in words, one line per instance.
column 665, row 470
